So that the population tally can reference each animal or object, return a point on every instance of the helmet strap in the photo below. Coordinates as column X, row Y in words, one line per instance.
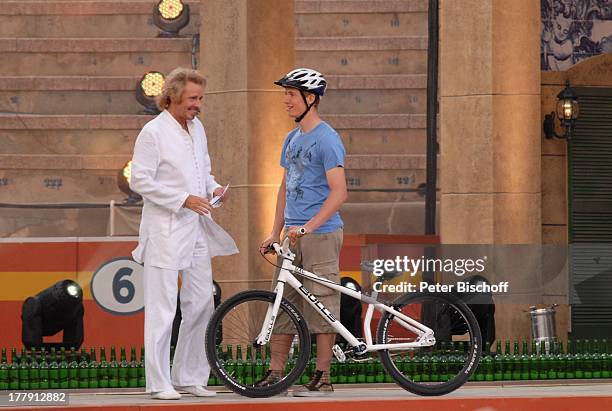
column 308, row 106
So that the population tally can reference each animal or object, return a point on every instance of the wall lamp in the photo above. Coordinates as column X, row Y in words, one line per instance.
column 567, row 112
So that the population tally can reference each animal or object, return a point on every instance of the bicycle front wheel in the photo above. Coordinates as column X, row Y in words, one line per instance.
column 236, row 324
column 443, row 367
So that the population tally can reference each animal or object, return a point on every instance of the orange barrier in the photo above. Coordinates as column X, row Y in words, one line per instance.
column 28, row 266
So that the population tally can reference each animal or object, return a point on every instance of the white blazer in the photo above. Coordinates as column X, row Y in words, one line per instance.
column 168, row 165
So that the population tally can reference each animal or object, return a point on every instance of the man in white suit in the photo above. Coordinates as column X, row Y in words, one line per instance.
column 171, row 171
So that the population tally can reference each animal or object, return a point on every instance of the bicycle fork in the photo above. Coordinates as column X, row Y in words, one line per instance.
column 271, row 314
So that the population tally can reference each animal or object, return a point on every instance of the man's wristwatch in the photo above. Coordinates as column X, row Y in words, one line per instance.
column 302, row 231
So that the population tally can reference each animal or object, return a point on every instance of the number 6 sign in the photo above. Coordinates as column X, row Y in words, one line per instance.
column 117, row 286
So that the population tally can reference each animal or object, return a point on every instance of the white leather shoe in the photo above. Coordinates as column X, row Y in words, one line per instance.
column 166, row 395
column 197, row 390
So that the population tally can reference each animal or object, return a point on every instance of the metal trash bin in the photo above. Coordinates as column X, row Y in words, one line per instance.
column 543, row 326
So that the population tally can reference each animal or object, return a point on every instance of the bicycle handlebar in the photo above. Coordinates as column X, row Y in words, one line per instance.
column 278, row 249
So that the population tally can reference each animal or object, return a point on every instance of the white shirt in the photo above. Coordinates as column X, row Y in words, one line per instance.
column 168, row 165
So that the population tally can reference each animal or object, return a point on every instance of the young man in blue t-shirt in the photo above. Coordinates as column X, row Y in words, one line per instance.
column 312, row 191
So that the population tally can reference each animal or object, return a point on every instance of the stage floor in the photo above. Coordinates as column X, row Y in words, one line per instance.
column 511, row 396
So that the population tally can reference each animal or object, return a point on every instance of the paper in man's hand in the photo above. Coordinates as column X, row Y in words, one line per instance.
column 216, row 201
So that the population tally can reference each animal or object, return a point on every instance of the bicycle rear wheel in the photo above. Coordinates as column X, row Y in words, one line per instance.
column 237, row 323
column 443, row 367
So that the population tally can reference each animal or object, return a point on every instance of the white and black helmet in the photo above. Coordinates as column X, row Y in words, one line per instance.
column 304, row 79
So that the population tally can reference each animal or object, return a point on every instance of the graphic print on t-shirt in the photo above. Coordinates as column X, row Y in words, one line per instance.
column 297, row 163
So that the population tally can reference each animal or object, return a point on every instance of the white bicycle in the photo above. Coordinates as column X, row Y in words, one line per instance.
column 433, row 355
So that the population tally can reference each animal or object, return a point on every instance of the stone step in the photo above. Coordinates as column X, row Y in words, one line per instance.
column 99, row 19
column 376, row 101
column 115, row 94
column 406, row 217
column 97, row 83
column 109, row 135
column 56, row 161
column 361, row 43
column 384, row 185
column 121, row 141
column 361, row 24
column 384, row 141
column 376, row 121
column 360, row 18
column 359, row 6
column 365, row 55
column 367, row 173
column 68, row 83
column 36, row 134
column 86, row 7
column 68, row 94
column 70, row 102
column 79, row 179
column 72, row 122
column 116, row 134
column 54, row 185
column 372, row 81
column 92, row 57
column 364, row 62
column 68, row 141
column 84, row 222
column 384, row 161
column 94, row 45
column 129, row 121
column 85, row 178
column 359, row 218
column 373, row 196
column 110, row 101
column 62, row 162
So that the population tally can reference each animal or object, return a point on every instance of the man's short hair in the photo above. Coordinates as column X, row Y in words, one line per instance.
column 175, row 85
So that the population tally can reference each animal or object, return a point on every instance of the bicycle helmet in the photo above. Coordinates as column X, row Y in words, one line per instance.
column 305, row 80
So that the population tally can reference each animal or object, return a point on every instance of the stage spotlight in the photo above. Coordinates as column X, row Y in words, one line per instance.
column 57, row 308
column 482, row 305
column 123, row 182
column 350, row 308
column 148, row 88
column 348, row 282
column 170, row 16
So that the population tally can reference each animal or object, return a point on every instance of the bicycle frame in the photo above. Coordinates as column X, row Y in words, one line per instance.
column 425, row 335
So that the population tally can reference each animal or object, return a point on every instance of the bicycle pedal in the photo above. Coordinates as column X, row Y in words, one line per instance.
column 338, row 353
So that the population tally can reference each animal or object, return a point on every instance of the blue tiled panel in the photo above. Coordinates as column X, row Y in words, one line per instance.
column 574, row 30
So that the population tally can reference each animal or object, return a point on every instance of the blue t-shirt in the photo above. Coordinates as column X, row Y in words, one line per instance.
column 307, row 156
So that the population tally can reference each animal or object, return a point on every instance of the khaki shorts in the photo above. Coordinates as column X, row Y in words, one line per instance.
column 319, row 254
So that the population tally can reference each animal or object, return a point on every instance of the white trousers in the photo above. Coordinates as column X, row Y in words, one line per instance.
column 190, row 365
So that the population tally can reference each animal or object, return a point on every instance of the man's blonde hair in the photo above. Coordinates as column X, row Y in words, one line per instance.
column 175, row 85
